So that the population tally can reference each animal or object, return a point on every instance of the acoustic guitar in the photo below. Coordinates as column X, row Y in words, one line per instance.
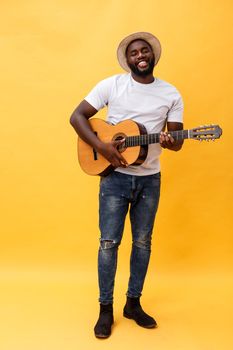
column 135, row 146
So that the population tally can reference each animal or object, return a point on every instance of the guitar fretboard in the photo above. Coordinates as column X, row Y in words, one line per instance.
column 147, row 139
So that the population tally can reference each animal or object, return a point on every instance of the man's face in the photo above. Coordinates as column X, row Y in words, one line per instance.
column 140, row 58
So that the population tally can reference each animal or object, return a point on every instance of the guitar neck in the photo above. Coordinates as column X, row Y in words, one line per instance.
column 147, row 139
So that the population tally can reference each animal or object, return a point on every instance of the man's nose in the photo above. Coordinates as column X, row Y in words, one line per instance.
column 140, row 54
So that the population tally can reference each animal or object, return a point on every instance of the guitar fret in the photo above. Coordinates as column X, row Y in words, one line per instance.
column 146, row 139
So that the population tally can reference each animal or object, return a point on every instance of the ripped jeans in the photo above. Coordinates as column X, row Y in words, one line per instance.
column 118, row 193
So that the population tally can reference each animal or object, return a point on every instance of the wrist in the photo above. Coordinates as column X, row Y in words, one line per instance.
column 99, row 146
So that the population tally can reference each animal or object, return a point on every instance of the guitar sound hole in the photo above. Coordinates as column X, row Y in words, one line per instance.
column 118, row 137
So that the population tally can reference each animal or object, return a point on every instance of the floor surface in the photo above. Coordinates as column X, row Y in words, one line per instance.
column 57, row 309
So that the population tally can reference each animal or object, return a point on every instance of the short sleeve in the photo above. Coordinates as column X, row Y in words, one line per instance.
column 98, row 97
column 175, row 113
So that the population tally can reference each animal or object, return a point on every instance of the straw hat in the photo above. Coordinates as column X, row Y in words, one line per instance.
column 148, row 37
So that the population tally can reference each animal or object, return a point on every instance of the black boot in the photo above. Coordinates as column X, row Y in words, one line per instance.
column 103, row 326
column 133, row 310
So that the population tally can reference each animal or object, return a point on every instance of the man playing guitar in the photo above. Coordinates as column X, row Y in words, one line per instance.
column 156, row 104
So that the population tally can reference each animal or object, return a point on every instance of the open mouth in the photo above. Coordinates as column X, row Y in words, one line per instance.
column 142, row 64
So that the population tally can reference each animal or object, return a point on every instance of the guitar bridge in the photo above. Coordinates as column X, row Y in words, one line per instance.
column 94, row 151
column 95, row 154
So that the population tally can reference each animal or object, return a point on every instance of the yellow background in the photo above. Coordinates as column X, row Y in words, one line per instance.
column 52, row 54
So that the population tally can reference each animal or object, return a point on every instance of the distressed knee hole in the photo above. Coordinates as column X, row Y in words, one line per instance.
column 143, row 244
column 108, row 244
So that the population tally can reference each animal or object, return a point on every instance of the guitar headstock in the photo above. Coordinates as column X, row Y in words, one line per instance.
column 205, row 132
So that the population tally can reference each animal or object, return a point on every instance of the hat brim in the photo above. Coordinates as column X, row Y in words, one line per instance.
column 148, row 37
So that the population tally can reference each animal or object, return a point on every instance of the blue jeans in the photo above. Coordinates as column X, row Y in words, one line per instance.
column 118, row 192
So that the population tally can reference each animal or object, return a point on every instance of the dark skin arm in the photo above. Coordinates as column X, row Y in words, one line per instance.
column 167, row 141
column 79, row 121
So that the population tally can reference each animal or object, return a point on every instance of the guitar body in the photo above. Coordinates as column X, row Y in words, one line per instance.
column 93, row 163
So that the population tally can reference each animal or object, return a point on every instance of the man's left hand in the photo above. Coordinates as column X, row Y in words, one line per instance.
column 166, row 140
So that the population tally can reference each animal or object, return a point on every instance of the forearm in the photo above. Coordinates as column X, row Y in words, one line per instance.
column 83, row 129
column 79, row 121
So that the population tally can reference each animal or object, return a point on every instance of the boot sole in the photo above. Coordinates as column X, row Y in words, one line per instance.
column 131, row 318
column 102, row 336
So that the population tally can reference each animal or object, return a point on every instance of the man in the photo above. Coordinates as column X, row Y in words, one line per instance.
column 139, row 96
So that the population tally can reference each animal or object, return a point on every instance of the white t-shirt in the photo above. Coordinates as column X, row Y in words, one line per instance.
column 148, row 104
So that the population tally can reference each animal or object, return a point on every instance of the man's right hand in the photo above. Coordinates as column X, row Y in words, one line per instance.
column 110, row 152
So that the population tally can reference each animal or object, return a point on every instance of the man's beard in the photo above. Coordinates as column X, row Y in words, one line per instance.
column 143, row 73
